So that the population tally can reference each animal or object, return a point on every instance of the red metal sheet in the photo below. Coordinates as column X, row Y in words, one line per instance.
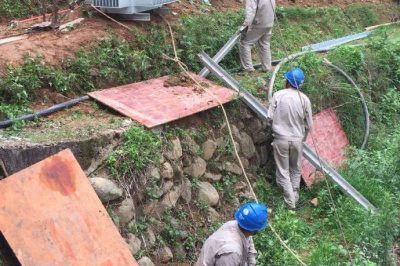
column 50, row 215
column 331, row 141
column 152, row 104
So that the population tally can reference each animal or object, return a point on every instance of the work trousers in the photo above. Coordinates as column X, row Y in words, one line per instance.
column 261, row 36
column 288, row 156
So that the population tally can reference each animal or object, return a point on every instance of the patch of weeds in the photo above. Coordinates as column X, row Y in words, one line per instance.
column 140, row 148
column 201, row 205
column 170, row 234
column 348, row 57
column 363, row 15
column 152, row 189
column 226, row 187
column 226, row 149
column 11, row 111
column 199, row 135
column 20, row 84
column 181, row 215
column 195, row 183
column 139, row 227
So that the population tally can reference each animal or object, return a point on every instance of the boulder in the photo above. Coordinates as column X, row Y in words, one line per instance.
column 263, row 154
column 255, row 125
column 260, row 137
column 245, row 162
column 237, row 145
column 167, row 186
column 149, row 237
column 314, row 202
column 153, row 209
column 126, row 211
column 153, row 172
column 219, row 141
column 178, row 171
column 245, row 112
column 235, row 132
column 167, row 172
column 145, row 261
column 209, row 148
column 197, row 168
column 246, row 145
column 165, row 254
column 241, row 185
column 169, row 200
column 255, row 160
column 212, row 177
column 191, row 145
column 186, row 190
column 233, row 168
column 212, row 215
column 208, row 194
column 134, row 243
column 106, row 189
column 174, row 152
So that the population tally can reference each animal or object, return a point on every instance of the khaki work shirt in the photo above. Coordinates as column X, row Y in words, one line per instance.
column 291, row 115
column 228, row 247
column 260, row 13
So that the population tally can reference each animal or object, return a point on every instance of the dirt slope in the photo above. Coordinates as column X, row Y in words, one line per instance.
column 55, row 46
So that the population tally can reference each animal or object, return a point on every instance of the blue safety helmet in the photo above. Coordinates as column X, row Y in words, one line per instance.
column 295, row 77
column 252, row 217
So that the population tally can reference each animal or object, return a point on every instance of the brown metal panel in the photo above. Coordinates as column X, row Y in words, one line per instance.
column 50, row 215
column 152, row 103
column 331, row 141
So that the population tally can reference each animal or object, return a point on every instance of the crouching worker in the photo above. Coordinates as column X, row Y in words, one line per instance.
column 232, row 244
column 291, row 115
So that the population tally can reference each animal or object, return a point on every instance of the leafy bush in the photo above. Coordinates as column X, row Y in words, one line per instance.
column 349, row 58
column 363, row 15
column 15, row 9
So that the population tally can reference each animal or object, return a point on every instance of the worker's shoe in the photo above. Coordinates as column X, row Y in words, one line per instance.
column 291, row 207
column 296, row 196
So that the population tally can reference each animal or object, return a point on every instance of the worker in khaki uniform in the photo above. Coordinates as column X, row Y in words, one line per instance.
column 291, row 115
column 259, row 21
column 232, row 244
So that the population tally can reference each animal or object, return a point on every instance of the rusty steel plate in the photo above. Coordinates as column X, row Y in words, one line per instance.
column 151, row 103
column 50, row 215
column 330, row 140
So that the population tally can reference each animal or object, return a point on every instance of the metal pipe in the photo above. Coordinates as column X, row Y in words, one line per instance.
column 363, row 102
column 45, row 112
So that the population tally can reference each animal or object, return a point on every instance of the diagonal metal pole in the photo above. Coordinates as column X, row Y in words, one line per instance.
column 224, row 51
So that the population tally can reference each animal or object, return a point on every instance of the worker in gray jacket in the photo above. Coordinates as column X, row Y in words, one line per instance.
column 260, row 15
column 232, row 244
column 291, row 115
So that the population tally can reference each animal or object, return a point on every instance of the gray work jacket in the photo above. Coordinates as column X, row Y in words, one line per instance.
column 260, row 13
column 291, row 115
column 228, row 246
